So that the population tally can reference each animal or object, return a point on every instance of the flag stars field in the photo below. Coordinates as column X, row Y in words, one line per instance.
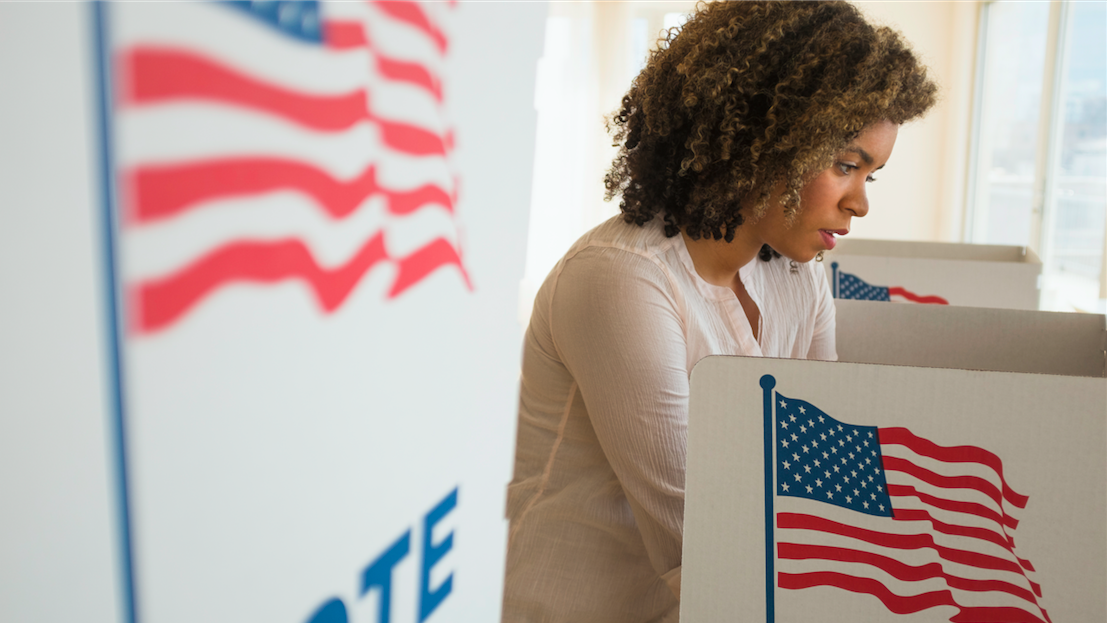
column 847, row 466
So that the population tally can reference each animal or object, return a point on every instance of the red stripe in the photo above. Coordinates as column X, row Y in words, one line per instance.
column 905, row 605
column 1023, row 564
column 411, row 139
column 984, row 534
column 341, row 35
column 159, row 75
column 163, row 191
column 346, row 35
column 957, row 506
column 414, row 267
column 412, row 73
column 950, row 482
column 975, row 483
column 955, row 454
column 410, row 12
column 911, row 296
column 869, row 586
column 899, row 570
column 163, row 301
column 997, row 615
column 896, row 541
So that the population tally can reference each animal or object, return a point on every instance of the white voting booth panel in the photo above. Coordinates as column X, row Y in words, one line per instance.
column 941, row 273
column 291, row 237
column 845, row 492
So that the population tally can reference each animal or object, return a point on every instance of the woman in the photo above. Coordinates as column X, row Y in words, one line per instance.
column 746, row 145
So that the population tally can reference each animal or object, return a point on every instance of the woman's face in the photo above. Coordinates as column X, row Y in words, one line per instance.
column 832, row 198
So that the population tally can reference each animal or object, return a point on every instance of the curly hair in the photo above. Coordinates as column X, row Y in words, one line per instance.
column 751, row 97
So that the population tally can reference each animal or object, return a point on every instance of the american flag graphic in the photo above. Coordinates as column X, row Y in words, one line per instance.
column 849, row 286
column 263, row 144
column 886, row 513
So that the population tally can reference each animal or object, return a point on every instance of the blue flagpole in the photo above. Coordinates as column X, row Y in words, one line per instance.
column 767, row 385
column 102, row 64
column 834, row 277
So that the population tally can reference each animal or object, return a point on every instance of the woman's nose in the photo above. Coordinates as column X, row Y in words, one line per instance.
column 856, row 201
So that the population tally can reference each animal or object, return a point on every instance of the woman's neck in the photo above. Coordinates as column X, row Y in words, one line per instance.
column 718, row 261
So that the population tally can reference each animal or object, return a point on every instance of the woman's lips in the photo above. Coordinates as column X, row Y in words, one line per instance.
column 828, row 236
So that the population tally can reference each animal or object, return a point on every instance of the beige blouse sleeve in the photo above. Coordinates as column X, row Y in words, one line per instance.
column 616, row 325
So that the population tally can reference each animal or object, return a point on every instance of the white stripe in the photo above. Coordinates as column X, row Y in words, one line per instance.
column 190, row 132
column 162, row 248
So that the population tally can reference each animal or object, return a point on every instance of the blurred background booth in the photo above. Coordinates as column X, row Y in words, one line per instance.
column 939, row 273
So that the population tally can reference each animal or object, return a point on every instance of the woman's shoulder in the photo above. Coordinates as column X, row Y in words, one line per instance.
column 615, row 238
column 615, row 259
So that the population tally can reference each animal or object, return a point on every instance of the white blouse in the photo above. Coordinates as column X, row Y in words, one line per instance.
column 597, row 501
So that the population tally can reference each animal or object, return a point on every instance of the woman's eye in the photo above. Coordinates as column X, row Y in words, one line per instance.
column 847, row 168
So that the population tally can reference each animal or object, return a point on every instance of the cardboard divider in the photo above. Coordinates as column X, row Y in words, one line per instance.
column 844, row 492
column 941, row 336
column 987, row 430
column 974, row 275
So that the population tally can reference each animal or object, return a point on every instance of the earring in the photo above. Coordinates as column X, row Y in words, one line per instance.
column 819, row 256
column 792, row 267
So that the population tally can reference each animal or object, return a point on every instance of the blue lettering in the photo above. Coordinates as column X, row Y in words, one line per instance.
column 432, row 553
column 334, row 611
column 379, row 573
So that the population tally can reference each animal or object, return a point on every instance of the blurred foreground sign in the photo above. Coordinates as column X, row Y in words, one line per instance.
column 318, row 219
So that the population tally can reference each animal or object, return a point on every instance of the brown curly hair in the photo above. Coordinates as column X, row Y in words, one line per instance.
column 748, row 97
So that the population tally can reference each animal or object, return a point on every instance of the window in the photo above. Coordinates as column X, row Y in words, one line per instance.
column 1040, row 148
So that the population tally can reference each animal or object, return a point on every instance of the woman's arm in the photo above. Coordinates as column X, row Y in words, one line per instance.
column 615, row 322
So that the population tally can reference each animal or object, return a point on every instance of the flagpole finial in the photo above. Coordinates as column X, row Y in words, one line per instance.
column 768, row 382
column 834, row 264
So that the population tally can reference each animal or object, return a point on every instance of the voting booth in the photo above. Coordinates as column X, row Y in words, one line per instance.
column 938, row 273
column 923, row 478
column 260, row 317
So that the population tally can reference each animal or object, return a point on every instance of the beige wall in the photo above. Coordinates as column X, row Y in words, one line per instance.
column 920, row 194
